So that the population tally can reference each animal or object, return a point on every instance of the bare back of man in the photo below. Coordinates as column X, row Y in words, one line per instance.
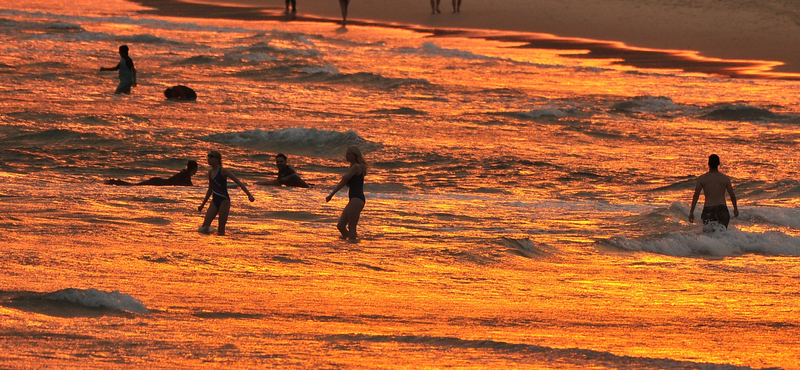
column 714, row 186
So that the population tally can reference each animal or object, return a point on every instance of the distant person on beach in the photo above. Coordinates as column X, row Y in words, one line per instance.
column 456, row 9
column 343, row 4
column 354, row 179
column 180, row 92
column 435, row 6
column 286, row 175
column 714, row 184
column 127, row 73
column 294, row 5
column 183, row 178
column 218, row 188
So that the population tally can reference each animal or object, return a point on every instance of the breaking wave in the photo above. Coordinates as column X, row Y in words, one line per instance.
column 739, row 112
column 93, row 298
column 296, row 140
column 647, row 104
column 584, row 358
column 717, row 244
column 332, row 75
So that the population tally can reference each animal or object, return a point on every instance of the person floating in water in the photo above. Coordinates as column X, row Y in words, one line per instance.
column 456, row 9
column 180, row 92
column 343, row 5
column 294, row 5
column 354, row 178
column 183, row 178
column 435, row 6
column 127, row 73
column 286, row 175
column 218, row 187
column 714, row 184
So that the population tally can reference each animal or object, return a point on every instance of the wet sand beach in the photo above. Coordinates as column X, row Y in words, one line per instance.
column 733, row 38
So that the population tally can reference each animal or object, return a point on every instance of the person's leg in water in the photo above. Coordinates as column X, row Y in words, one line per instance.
column 123, row 89
column 715, row 218
column 348, row 222
column 456, row 9
column 435, row 6
column 294, row 5
column 211, row 213
column 224, row 209
column 343, row 4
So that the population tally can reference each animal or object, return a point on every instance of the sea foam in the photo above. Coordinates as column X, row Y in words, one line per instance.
column 580, row 357
column 360, row 79
column 94, row 298
column 739, row 112
column 647, row 104
column 718, row 244
column 294, row 140
column 433, row 50
column 541, row 112
column 772, row 215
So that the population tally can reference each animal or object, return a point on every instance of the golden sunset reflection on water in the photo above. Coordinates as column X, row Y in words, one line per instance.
column 525, row 208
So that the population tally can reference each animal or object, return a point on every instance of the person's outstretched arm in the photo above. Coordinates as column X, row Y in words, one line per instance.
column 293, row 179
column 116, row 68
column 235, row 179
column 354, row 170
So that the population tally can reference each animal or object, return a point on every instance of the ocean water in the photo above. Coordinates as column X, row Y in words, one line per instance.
column 526, row 208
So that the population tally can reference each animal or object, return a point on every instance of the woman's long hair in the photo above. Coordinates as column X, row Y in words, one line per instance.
column 361, row 161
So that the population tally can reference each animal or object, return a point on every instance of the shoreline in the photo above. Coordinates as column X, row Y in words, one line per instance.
column 657, row 51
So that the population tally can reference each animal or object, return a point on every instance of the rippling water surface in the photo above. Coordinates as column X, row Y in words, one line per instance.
column 525, row 208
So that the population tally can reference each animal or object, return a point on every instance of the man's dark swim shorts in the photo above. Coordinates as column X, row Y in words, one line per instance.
column 718, row 214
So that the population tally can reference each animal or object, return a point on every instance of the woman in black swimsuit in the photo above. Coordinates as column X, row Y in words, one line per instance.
column 218, row 188
column 354, row 178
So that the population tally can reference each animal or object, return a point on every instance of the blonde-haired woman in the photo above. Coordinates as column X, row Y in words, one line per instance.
column 354, row 178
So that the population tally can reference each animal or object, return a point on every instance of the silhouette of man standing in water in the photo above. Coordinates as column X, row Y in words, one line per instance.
column 294, row 5
column 714, row 184
column 127, row 73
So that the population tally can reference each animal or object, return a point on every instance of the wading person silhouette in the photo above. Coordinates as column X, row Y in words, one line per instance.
column 218, row 188
column 714, row 185
column 127, row 73
column 354, row 178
